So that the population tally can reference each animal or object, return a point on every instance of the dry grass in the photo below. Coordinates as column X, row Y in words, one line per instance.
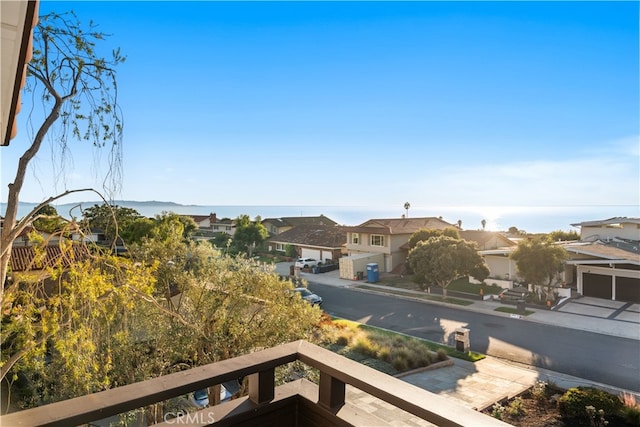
column 398, row 351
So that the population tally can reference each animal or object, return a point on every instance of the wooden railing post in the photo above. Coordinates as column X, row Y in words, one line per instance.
column 262, row 386
column 331, row 391
column 214, row 395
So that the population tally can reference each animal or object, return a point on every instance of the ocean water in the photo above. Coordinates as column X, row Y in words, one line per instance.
column 533, row 219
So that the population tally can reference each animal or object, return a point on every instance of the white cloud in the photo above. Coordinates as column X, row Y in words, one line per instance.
column 589, row 181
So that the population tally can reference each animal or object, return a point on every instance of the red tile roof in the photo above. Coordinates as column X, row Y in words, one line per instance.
column 24, row 258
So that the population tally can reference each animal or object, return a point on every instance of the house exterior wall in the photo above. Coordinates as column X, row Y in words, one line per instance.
column 387, row 262
column 223, row 228
column 501, row 266
column 629, row 231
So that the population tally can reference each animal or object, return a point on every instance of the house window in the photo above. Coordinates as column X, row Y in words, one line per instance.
column 215, row 227
column 280, row 247
column 355, row 238
column 377, row 240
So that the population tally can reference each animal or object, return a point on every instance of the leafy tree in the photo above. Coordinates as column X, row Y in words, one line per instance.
column 137, row 230
column 221, row 240
column 48, row 220
column 443, row 259
column 169, row 225
column 248, row 234
column 484, row 224
column 59, row 333
column 514, row 231
column 427, row 233
column 111, row 219
column 560, row 235
column 291, row 251
column 540, row 263
column 78, row 92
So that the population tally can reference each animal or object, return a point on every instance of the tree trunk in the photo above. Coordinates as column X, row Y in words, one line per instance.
column 7, row 238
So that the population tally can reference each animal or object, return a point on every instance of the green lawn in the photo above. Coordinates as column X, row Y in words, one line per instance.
column 459, row 285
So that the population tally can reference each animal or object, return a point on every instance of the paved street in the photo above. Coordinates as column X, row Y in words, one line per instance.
column 479, row 384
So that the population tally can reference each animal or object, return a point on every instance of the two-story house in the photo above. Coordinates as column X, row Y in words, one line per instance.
column 605, row 263
column 388, row 237
column 210, row 225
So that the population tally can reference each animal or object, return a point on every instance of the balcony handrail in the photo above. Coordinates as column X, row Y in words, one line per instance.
column 335, row 372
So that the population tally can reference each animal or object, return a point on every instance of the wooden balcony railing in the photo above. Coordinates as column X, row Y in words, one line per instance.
column 293, row 404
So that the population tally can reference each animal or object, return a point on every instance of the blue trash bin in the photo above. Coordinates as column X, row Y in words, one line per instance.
column 372, row 272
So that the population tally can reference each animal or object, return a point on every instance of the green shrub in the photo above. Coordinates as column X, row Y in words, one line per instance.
column 539, row 391
column 572, row 405
column 497, row 410
column 442, row 355
column 516, row 407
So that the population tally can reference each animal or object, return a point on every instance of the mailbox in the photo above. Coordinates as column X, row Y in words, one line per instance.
column 462, row 340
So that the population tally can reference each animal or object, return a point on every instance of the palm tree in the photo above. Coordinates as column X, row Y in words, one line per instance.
column 460, row 224
column 484, row 224
column 406, row 207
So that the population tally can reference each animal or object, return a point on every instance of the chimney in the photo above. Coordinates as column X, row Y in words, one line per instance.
column 212, row 218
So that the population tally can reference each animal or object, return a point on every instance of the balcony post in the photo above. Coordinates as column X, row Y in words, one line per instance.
column 331, row 391
column 262, row 386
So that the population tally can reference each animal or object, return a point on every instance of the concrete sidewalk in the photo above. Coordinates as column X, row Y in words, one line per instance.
column 479, row 385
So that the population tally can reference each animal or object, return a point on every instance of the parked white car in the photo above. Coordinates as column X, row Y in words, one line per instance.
column 309, row 296
column 306, row 262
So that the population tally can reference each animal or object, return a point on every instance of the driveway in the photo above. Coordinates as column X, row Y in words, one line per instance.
column 603, row 309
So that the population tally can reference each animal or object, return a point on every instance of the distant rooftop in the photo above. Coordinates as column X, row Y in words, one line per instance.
column 610, row 221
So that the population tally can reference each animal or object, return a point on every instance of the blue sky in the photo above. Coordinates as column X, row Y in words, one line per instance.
column 482, row 105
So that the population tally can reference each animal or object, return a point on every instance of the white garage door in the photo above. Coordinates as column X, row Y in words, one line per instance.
column 311, row 253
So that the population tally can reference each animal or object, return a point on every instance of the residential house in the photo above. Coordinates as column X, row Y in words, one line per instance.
column 495, row 249
column 388, row 237
column 210, row 225
column 94, row 235
column 280, row 225
column 605, row 263
column 603, row 230
column 322, row 242
column 502, row 269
